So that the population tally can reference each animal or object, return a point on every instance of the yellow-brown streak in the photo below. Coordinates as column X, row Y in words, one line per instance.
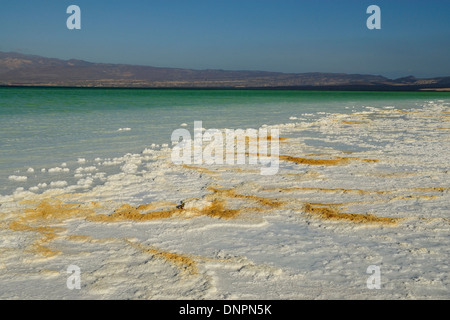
column 438, row 189
column 318, row 204
column 324, row 162
column 314, row 162
column 181, row 261
column 359, row 159
column 128, row 212
column 201, row 169
column 327, row 190
column 354, row 122
column 414, row 196
column 79, row 238
column 89, row 239
column 47, row 234
column 309, row 173
column 49, row 211
column 360, row 191
column 268, row 138
column 230, row 193
column 390, row 174
column 217, row 210
column 327, row 213
column 315, row 155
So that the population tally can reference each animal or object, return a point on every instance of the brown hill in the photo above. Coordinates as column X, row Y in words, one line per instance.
column 30, row 70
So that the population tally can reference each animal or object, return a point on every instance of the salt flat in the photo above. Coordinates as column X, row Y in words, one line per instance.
column 353, row 190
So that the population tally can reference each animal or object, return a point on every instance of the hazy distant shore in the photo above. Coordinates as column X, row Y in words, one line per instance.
column 19, row 70
column 301, row 88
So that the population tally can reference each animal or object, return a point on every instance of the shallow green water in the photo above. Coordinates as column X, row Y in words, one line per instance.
column 44, row 127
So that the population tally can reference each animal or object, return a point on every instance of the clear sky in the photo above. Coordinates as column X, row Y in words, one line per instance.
column 270, row 35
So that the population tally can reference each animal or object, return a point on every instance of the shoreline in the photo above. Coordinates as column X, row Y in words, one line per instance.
column 368, row 88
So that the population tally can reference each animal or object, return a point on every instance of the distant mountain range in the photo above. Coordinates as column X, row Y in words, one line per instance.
column 30, row 70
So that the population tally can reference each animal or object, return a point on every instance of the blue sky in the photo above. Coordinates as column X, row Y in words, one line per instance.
column 270, row 35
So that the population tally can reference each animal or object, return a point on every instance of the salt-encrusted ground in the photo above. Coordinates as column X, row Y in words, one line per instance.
column 352, row 190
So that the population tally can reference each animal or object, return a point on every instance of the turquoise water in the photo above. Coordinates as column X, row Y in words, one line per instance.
column 44, row 127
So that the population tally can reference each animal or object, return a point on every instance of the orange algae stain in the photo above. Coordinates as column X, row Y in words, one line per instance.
column 42, row 218
column 361, row 159
column 56, row 210
column 324, row 162
column 201, row 170
column 137, row 213
column 360, row 191
column 390, row 174
column 269, row 138
column 354, row 122
column 240, row 170
column 46, row 235
column 313, row 162
column 261, row 138
column 308, row 174
column 403, row 111
column 328, row 212
column 79, row 238
column 261, row 200
column 438, row 189
column 282, row 140
column 415, row 196
column 126, row 212
column 217, row 210
column 45, row 250
column 316, row 154
column 181, row 261
column 231, row 193
column 343, row 190
column 249, row 140
column 89, row 239
column 317, row 204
